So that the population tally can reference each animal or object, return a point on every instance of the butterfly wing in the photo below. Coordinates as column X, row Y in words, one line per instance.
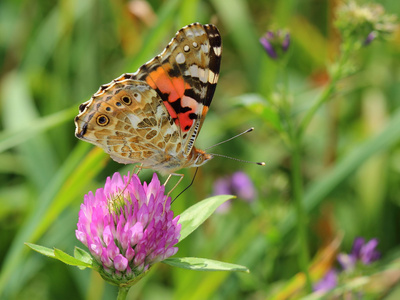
column 128, row 119
column 154, row 115
column 185, row 76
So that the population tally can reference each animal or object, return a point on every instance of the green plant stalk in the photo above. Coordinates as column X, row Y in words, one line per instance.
column 122, row 292
column 336, row 75
column 297, row 181
column 297, row 185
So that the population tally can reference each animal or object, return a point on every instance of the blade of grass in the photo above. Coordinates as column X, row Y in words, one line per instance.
column 347, row 166
column 19, row 111
column 151, row 43
column 11, row 138
column 239, row 23
column 60, row 189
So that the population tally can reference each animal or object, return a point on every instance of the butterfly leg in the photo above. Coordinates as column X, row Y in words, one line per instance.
column 138, row 168
column 174, row 187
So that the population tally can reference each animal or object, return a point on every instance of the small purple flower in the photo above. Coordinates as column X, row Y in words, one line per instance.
column 328, row 282
column 222, row 187
column 242, row 186
column 238, row 184
column 275, row 43
column 366, row 253
column 128, row 226
column 371, row 36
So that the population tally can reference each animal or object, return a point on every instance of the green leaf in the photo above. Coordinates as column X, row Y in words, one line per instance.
column 195, row 215
column 82, row 259
column 82, row 255
column 42, row 250
column 70, row 260
column 203, row 264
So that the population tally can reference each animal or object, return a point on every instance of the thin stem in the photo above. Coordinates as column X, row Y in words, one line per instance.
column 297, row 190
column 328, row 91
column 297, row 182
column 122, row 293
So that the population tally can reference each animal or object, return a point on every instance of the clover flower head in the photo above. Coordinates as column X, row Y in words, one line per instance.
column 128, row 226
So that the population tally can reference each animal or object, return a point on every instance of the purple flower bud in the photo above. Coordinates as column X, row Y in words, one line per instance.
column 357, row 246
column 368, row 254
column 275, row 43
column 371, row 36
column 328, row 282
column 128, row 226
column 361, row 252
column 268, row 48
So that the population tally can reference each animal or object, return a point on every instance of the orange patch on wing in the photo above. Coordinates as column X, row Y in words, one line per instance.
column 174, row 86
column 171, row 111
column 204, row 112
column 185, row 122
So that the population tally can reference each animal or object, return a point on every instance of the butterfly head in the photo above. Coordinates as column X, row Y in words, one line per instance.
column 199, row 157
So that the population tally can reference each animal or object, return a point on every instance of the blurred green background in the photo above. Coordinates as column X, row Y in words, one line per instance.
column 55, row 54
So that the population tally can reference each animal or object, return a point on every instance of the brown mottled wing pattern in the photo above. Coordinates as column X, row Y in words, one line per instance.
column 129, row 121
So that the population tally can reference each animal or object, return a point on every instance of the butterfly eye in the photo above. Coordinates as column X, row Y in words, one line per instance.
column 127, row 100
column 102, row 120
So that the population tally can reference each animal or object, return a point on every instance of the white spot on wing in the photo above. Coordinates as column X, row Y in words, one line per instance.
column 134, row 119
column 211, row 77
column 202, row 75
column 138, row 97
column 204, row 48
column 180, row 58
column 194, row 70
column 217, row 51
column 186, row 48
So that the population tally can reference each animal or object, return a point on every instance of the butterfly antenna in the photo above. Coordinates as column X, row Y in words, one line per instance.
column 234, row 137
column 261, row 163
column 194, row 176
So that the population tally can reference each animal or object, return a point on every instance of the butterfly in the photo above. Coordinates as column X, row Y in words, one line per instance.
column 153, row 116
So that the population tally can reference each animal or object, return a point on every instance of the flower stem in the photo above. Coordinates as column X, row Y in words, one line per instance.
column 297, row 183
column 336, row 75
column 122, row 292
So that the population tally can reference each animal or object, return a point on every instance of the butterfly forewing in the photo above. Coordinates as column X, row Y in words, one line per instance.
column 185, row 75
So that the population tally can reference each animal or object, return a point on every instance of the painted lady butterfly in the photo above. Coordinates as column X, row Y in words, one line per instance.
column 153, row 116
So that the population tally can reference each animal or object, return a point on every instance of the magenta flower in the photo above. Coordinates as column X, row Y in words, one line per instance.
column 365, row 253
column 128, row 226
